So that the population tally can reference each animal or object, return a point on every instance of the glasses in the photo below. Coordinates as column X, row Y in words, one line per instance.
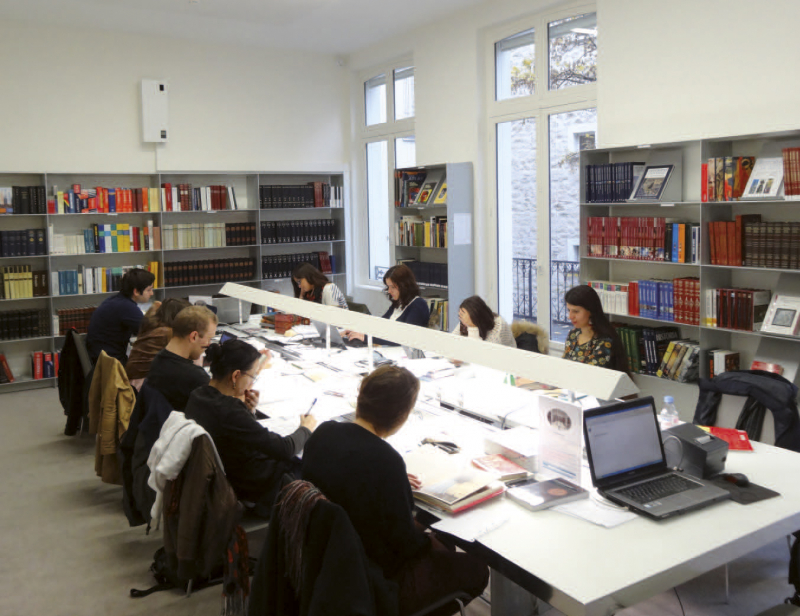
column 250, row 375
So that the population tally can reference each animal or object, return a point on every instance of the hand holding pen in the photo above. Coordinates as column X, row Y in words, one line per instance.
column 308, row 420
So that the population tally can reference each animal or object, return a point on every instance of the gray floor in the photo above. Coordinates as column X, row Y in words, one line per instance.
column 67, row 548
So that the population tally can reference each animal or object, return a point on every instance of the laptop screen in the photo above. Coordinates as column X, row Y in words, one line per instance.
column 623, row 439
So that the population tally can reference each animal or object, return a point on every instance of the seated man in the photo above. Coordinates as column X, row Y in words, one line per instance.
column 174, row 372
column 119, row 317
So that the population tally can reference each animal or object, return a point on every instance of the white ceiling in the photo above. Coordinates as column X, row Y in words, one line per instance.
column 327, row 26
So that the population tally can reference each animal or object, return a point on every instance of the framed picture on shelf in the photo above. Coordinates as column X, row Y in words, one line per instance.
column 652, row 183
column 783, row 315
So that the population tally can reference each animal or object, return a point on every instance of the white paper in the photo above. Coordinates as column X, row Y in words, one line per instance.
column 597, row 513
column 560, row 431
column 474, row 523
column 462, row 229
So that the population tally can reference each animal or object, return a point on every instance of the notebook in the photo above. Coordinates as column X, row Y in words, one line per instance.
column 628, row 466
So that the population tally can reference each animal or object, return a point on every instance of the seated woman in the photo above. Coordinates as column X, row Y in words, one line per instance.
column 479, row 322
column 154, row 334
column 357, row 469
column 593, row 340
column 407, row 306
column 254, row 458
column 311, row 284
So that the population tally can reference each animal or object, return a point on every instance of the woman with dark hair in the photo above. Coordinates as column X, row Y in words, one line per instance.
column 593, row 340
column 154, row 334
column 311, row 284
column 254, row 458
column 353, row 465
column 407, row 306
column 479, row 322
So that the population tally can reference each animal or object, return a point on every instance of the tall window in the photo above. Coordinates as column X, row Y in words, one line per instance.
column 387, row 138
column 541, row 112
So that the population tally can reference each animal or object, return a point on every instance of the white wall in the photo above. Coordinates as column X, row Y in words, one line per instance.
column 687, row 69
column 71, row 102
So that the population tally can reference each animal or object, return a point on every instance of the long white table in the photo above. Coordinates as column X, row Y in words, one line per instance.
column 587, row 570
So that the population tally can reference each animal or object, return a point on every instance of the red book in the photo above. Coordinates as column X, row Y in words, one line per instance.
column 38, row 364
column 501, row 467
column 737, row 439
column 730, row 232
column 704, row 182
column 722, row 256
column 56, row 358
column 6, row 368
column 768, row 367
column 168, row 190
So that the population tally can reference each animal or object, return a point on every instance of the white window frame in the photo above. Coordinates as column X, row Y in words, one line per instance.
column 387, row 131
column 539, row 106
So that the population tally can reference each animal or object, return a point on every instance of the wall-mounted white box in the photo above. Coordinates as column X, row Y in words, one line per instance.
column 155, row 108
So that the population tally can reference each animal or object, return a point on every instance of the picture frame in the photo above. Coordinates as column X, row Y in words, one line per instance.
column 652, row 184
column 783, row 315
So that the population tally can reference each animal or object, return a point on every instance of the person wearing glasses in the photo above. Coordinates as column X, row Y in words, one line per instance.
column 407, row 305
column 311, row 284
column 254, row 458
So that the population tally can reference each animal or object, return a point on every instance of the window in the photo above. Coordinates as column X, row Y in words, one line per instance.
column 387, row 139
column 539, row 126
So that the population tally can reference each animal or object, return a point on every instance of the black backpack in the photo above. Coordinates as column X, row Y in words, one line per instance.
column 167, row 577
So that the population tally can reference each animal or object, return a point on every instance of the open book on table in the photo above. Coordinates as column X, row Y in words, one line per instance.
column 449, row 482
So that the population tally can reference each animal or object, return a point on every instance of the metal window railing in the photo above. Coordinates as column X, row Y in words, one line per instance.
column 563, row 276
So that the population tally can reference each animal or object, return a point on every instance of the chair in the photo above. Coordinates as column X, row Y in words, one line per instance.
column 530, row 337
column 356, row 307
column 83, row 353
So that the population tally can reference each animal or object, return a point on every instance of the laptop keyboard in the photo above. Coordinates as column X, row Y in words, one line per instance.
column 657, row 489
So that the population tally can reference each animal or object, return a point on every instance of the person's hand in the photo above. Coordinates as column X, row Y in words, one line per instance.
column 415, row 482
column 266, row 356
column 352, row 335
column 308, row 421
column 463, row 316
column 251, row 399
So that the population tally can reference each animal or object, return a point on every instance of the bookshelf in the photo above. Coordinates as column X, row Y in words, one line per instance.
column 455, row 257
column 684, row 203
column 198, row 242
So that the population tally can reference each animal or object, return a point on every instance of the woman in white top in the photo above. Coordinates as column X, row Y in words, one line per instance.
column 311, row 284
column 478, row 321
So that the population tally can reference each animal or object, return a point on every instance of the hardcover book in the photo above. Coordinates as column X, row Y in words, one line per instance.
column 501, row 467
column 536, row 495
column 652, row 184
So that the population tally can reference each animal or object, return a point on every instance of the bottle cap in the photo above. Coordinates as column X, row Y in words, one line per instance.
column 669, row 399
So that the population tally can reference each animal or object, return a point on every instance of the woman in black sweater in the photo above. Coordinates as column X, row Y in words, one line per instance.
column 254, row 458
column 355, row 468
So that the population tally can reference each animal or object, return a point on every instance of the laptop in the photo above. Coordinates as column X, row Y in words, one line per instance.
column 228, row 310
column 628, row 465
column 336, row 337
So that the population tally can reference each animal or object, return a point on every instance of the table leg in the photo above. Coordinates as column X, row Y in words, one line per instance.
column 509, row 599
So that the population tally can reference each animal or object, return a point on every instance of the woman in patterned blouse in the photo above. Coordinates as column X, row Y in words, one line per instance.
column 593, row 340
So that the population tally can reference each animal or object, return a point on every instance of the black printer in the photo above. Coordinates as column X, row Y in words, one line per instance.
column 699, row 453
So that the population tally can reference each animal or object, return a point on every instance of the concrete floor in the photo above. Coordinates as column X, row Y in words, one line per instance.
column 68, row 550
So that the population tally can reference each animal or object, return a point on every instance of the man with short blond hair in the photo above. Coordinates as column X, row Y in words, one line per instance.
column 174, row 372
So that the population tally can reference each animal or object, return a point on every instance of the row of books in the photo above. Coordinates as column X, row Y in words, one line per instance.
column 725, row 178
column 791, row 173
column 74, row 318
column 415, row 231
column 79, row 200
column 645, row 346
column 437, row 307
column 420, row 188
column 735, row 308
column 89, row 280
column 612, row 182
column 209, row 271
column 22, row 243
column 772, row 244
column 676, row 300
column 313, row 194
column 23, row 200
column 15, row 324
column 208, row 235
column 19, row 282
column 643, row 238
column 722, row 360
column 281, row 266
column 428, row 274
column 105, row 238
column 188, row 198
column 44, row 365
column 296, row 231
column 681, row 361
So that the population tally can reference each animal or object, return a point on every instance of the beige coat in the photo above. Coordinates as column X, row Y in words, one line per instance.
column 111, row 401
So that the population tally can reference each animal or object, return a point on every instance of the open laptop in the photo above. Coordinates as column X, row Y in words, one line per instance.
column 336, row 337
column 628, row 466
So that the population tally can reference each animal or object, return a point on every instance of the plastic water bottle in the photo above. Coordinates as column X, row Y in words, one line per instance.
column 668, row 416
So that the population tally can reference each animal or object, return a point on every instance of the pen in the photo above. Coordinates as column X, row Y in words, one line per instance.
column 311, row 407
column 334, row 393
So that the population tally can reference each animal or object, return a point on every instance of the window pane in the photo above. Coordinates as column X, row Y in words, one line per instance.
column 375, row 100
column 405, row 152
column 378, row 205
column 404, row 93
column 569, row 134
column 516, row 218
column 514, row 66
column 573, row 51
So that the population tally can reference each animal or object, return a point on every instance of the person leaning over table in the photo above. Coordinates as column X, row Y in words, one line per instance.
column 254, row 458
column 593, row 340
column 407, row 305
column 154, row 335
column 479, row 322
column 311, row 284
column 353, row 465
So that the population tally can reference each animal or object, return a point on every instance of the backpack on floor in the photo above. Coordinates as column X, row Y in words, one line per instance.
column 167, row 577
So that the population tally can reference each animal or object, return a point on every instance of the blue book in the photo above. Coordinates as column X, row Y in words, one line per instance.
column 675, row 241
column 112, row 199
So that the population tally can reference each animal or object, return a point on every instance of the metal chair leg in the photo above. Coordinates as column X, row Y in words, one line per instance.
column 461, row 607
column 189, row 589
column 727, row 586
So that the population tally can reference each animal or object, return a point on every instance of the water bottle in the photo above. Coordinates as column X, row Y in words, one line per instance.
column 668, row 416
